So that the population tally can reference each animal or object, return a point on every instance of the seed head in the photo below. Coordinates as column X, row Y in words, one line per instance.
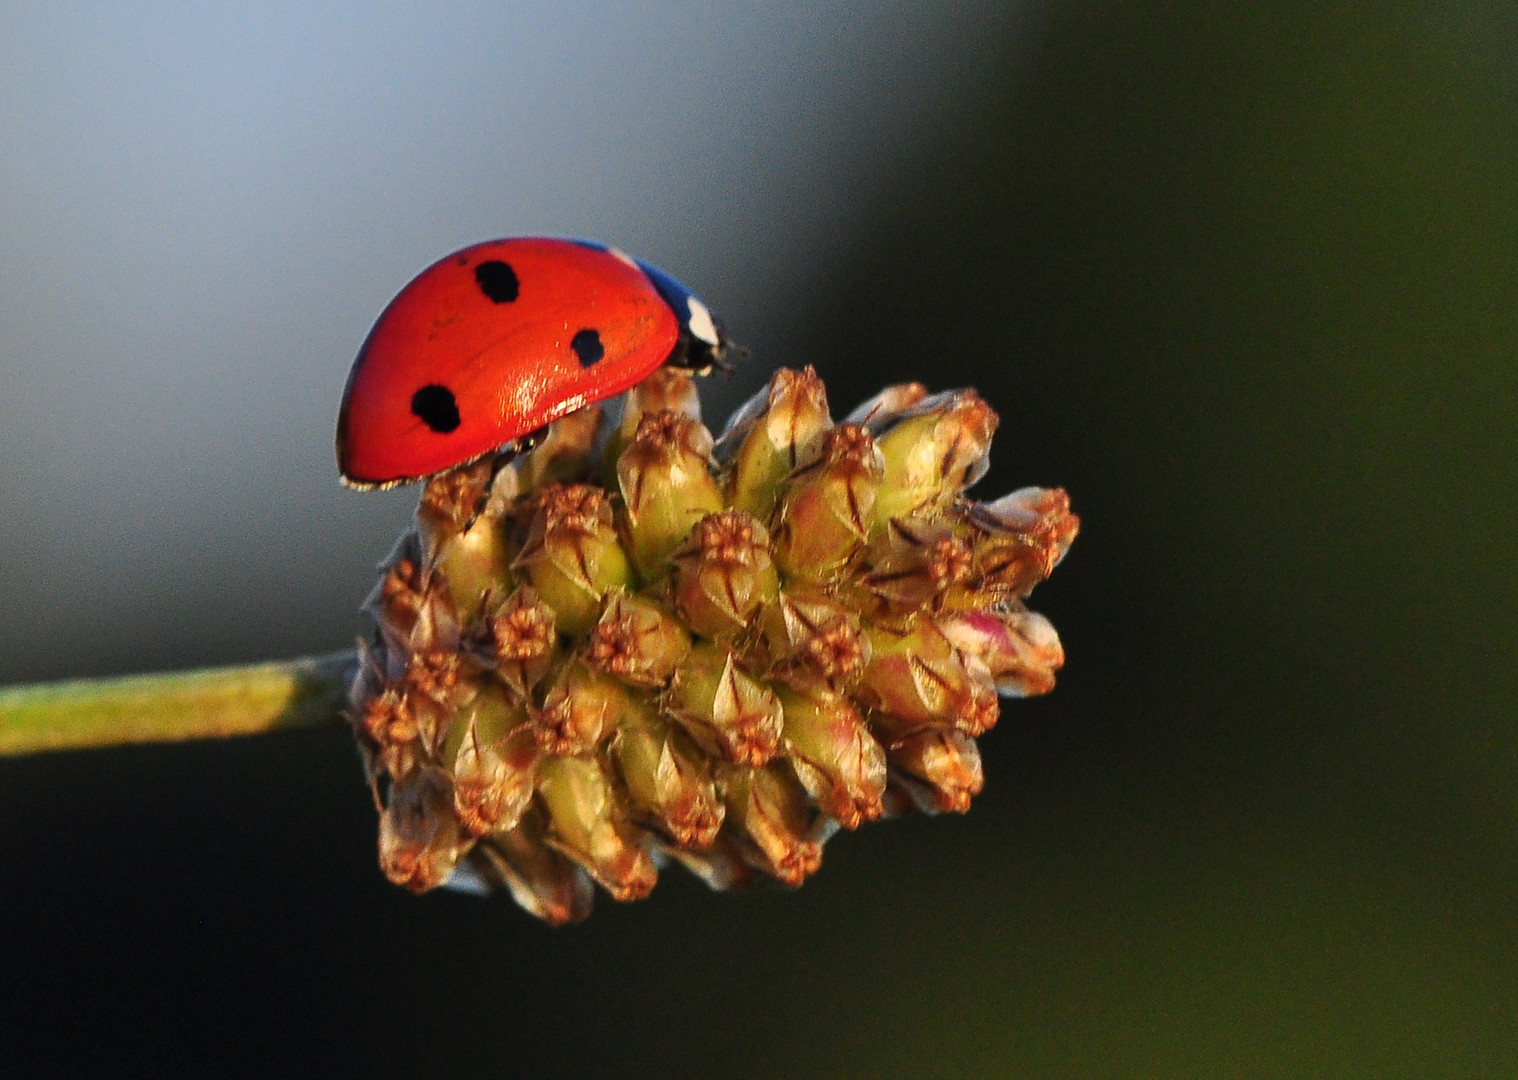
column 632, row 644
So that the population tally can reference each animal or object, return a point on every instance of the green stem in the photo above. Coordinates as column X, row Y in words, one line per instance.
column 210, row 703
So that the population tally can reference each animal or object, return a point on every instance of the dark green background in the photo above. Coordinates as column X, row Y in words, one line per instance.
column 1246, row 284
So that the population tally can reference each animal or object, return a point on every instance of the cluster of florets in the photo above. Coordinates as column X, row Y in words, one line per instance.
column 637, row 643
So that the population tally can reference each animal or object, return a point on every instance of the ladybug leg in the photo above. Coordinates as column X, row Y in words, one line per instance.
column 503, row 457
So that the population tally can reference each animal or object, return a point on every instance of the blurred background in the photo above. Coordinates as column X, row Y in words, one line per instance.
column 1244, row 282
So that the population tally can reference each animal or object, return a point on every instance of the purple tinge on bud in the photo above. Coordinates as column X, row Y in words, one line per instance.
column 1019, row 648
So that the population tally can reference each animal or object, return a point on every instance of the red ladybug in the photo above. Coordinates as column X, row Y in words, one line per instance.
column 496, row 340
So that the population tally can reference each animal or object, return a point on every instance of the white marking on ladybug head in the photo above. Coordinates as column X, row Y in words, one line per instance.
column 700, row 323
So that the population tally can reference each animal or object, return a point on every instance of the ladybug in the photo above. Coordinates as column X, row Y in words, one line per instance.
column 493, row 342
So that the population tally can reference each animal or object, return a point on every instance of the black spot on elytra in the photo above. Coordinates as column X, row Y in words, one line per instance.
column 497, row 280
column 587, row 347
column 435, row 406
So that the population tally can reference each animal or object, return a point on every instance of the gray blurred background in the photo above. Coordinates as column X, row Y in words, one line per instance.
column 1246, row 283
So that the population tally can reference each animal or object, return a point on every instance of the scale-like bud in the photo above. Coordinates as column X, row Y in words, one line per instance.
column 1020, row 539
column 936, row 449
column 917, row 679
column 631, row 645
column 587, row 823
column 939, row 769
column 1019, row 648
column 572, row 555
column 581, row 706
column 916, row 561
column 669, row 779
column 419, row 841
column 521, row 641
column 550, row 885
column 667, row 487
column 494, row 763
column 774, row 822
column 838, row 762
column 769, row 437
column 825, row 511
column 812, row 637
column 726, row 710
column 723, row 573
column 637, row 641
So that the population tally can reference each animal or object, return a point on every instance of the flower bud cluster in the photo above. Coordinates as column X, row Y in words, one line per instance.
column 637, row 643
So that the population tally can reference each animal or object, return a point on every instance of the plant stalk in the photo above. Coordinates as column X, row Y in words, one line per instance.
column 209, row 703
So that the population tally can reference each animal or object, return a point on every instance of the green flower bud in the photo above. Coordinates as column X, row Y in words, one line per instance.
column 825, row 510
column 582, row 706
column 562, row 455
column 669, row 389
column 723, row 573
column 637, row 641
column 814, row 638
column 1020, row 539
column 918, row 680
column 669, row 780
column 938, row 448
column 494, row 763
column 769, row 809
column 586, row 824
column 841, row 766
column 724, row 709
column 882, row 411
column 667, row 487
column 572, row 556
column 917, row 561
column 778, row 430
